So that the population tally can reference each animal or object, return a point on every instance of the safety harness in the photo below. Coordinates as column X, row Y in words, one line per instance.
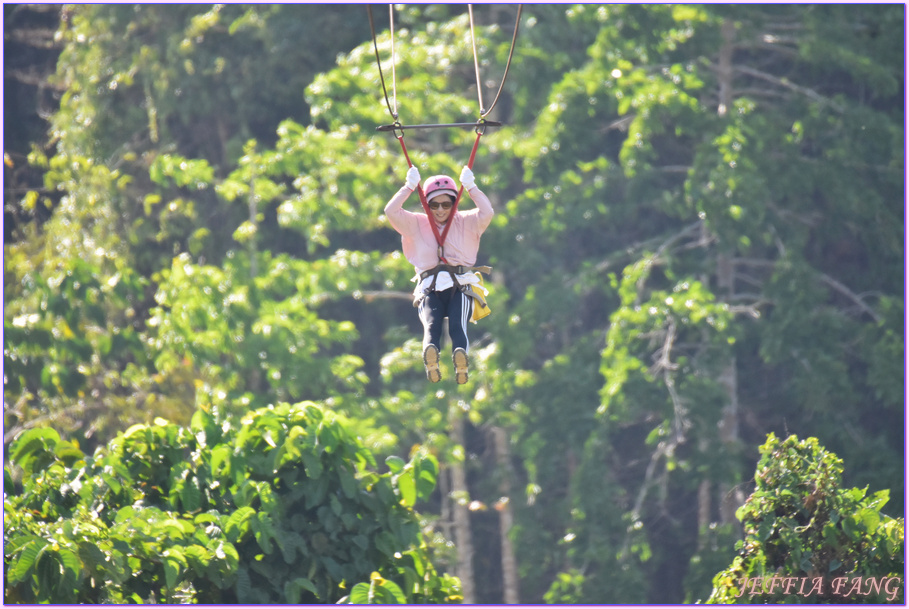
column 480, row 309
column 454, row 271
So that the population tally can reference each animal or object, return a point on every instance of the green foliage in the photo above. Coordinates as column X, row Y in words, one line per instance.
column 185, row 87
column 683, row 314
column 664, row 264
column 379, row 591
column 801, row 523
column 256, row 339
column 282, row 505
column 74, row 352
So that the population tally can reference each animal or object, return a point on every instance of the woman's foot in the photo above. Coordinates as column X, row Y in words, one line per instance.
column 459, row 357
column 431, row 362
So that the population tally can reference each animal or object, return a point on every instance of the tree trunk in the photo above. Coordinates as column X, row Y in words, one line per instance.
column 463, row 539
column 506, row 517
column 445, row 521
column 724, row 69
column 703, row 512
column 729, row 498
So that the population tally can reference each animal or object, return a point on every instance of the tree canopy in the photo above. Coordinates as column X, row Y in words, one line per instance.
column 699, row 241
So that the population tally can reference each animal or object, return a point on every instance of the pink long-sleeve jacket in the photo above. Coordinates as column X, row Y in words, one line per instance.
column 419, row 243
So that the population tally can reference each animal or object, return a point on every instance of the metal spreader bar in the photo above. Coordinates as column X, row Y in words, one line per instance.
column 396, row 127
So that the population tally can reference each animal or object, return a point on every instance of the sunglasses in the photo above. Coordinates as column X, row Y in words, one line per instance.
column 444, row 205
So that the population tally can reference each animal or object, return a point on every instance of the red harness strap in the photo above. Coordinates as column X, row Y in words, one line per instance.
column 440, row 238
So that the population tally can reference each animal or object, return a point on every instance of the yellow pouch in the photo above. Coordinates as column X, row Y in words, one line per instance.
column 480, row 306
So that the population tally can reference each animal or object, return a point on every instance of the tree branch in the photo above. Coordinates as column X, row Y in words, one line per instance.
column 825, row 278
column 39, row 38
column 383, row 294
column 782, row 82
column 839, row 287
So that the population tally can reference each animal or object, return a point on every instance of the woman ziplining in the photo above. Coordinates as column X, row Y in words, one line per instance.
column 447, row 280
column 443, row 242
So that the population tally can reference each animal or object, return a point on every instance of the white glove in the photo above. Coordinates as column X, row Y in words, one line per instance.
column 413, row 178
column 467, row 179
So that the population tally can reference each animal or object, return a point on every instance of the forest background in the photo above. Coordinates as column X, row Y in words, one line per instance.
column 699, row 240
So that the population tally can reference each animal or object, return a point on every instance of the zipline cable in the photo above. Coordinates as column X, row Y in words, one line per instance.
column 372, row 26
column 514, row 40
column 479, row 127
column 393, row 109
column 394, row 80
column 476, row 64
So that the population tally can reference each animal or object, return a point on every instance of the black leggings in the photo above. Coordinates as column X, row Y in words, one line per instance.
column 436, row 306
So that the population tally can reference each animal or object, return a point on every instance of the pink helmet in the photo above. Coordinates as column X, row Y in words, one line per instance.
column 439, row 185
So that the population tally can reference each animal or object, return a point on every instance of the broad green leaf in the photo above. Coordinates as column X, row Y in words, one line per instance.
column 243, row 587
column 360, row 594
column 385, row 592
column 426, row 470
column 348, row 483
column 191, row 495
column 27, row 560
column 238, row 524
column 72, row 565
column 395, row 464
column 294, row 588
column 32, row 441
column 264, row 531
column 407, row 488
column 220, row 461
column 174, row 564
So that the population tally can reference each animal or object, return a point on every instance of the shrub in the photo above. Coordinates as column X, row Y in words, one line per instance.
column 807, row 540
column 281, row 506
